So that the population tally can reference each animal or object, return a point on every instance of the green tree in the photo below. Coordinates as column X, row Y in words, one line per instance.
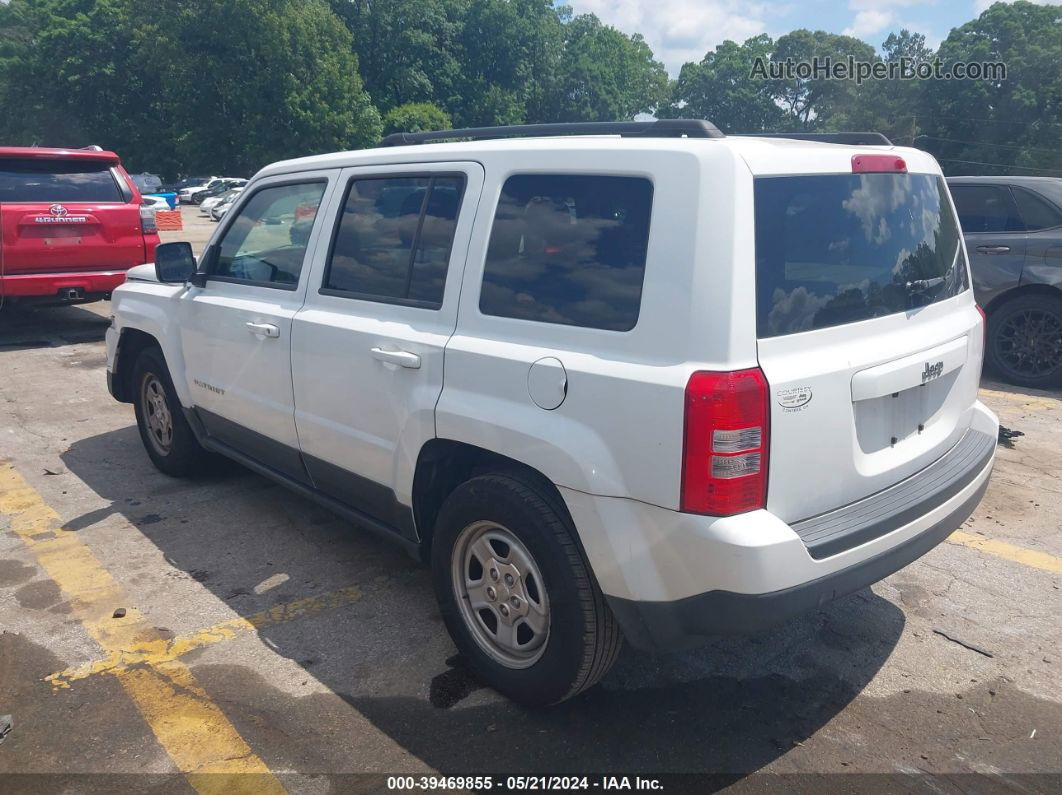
column 270, row 79
column 1000, row 126
column 810, row 102
column 407, row 49
column 489, row 62
column 75, row 72
column 606, row 75
column 720, row 89
column 509, row 51
column 888, row 106
column 224, row 86
column 416, row 117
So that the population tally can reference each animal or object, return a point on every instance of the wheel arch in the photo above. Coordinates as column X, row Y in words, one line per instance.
column 131, row 343
column 1021, row 291
column 444, row 464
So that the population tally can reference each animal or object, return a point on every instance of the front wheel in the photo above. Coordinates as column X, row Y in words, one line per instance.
column 166, row 434
column 1025, row 341
column 517, row 596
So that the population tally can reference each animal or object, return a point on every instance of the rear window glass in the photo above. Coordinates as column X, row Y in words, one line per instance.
column 569, row 249
column 843, row 248
column 57, row 181
column 1037, row 213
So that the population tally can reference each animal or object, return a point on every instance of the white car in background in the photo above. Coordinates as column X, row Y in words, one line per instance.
column 184, row 195
column 208, row 204
column 188, row 195
column 218, row 211
column 156, row 203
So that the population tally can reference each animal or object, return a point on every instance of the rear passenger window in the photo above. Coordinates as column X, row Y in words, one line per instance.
column 986, row 208
column 569, row 249
column 266, row 243
column 1037, row 213
column 393, row 240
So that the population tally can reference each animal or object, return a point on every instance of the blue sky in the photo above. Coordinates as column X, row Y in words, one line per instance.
column 683, row 30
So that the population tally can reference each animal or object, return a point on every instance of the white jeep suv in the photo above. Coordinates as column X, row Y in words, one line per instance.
column 636, row 380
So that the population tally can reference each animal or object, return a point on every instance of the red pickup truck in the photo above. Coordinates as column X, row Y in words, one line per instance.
column 72, row 223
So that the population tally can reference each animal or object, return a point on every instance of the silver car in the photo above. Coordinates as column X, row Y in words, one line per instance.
column 1013, row 231
column 218, row 211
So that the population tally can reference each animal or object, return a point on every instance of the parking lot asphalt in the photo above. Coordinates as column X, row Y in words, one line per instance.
column 264, row 636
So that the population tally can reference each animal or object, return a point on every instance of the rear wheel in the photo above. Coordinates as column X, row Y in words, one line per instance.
column 166, row 434
column 517, row 596
column 1025, row 341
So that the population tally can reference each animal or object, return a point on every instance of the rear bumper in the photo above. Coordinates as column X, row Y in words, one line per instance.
column 674, row 625
column 49, row 284
column 675, row 579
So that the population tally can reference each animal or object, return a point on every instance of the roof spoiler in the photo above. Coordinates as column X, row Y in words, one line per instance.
column 661, row 128
column 849, row 138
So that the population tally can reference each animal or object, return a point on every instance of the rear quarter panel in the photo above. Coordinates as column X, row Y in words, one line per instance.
column 619, row 429
column 1043, row 260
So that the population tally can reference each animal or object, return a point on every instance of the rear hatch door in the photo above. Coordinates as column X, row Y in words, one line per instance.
column 867, row 330
column 66, row 215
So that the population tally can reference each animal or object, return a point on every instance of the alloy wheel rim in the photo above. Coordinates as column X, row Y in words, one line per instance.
column 157, row 414
column 501, row 594
column 1029, row 343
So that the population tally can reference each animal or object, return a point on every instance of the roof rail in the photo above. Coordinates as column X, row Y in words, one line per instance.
column 661, row 128
column 850, row 138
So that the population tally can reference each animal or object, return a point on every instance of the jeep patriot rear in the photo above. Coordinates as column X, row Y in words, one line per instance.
column 71, row 224
column 654, row 383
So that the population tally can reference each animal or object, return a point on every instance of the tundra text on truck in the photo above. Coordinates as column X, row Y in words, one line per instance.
column 643, row 381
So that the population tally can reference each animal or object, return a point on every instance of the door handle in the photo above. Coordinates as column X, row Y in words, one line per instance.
column 993, row 249
column 401, row 358
column 265, row 329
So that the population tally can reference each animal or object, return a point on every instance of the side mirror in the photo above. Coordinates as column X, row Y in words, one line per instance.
column 174, row 263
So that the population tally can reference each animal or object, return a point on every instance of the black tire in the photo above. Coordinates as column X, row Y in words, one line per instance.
column 1024, row 344
column 583, row 638
column 183, row 455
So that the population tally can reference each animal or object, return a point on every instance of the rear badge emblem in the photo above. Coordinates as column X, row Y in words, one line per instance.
column 59, row 214
column 932, row 371
column 795, row 398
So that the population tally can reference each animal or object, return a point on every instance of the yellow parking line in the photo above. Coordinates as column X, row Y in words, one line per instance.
column 1001, row 549
column 1031, row 402
column 193, row 730
column 160, row 651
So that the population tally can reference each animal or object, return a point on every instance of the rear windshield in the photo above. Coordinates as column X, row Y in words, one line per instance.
column 57, row 181
column 843, row 248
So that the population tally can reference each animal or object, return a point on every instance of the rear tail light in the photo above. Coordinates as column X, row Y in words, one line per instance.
column 724, row 458
column 984, row 327
column 148, row 225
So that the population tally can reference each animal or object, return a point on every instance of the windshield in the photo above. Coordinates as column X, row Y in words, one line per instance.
column 838, row 249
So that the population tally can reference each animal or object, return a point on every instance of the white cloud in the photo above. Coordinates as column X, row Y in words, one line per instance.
column 876, row 18
column 868, row 22
column 680, row 30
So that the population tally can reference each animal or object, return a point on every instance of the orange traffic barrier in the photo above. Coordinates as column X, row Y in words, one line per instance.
column 169, row 220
